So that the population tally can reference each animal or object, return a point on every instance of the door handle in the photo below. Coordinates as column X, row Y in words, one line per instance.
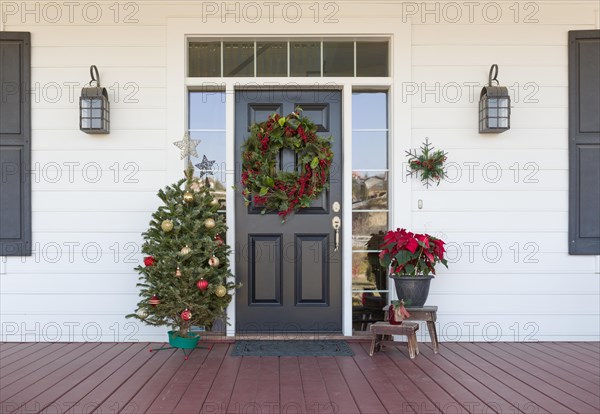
column 336, row 223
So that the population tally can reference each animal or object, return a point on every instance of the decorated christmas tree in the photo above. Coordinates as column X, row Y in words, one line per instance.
column 184, row 278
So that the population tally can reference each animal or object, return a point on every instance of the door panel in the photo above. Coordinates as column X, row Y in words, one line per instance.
column 290, row 273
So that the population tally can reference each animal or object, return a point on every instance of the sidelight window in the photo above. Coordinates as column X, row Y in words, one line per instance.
column 207, row 124
column 370, row 205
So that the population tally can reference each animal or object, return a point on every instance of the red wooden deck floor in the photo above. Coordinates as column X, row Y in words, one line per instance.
column 464, row 377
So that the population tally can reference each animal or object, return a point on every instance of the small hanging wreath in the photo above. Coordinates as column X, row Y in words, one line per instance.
column 429, row 163
column 285, row 190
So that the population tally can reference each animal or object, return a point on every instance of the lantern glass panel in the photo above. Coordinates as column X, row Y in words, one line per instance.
column 504, row 102
column 492, row 102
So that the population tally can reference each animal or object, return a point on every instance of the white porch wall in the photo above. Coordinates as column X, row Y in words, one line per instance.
column 557, row 298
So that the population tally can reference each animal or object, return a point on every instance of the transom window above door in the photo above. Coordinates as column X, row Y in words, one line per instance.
column 293, row 58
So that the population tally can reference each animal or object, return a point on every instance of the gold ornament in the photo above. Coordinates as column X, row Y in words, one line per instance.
column 167, row 225
column 188, row 197
column 214, row 261
column 209, row 223
column 185, row 251
column 178, row 272
column 214, row 202
column 142, row 314
column 220, row 291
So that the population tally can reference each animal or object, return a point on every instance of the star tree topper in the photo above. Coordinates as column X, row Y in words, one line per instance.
column 205, row 167
column 187, row 146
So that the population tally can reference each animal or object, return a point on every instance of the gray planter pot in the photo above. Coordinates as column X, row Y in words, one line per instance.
column 412, row 289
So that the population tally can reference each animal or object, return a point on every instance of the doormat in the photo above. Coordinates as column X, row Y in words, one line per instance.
column 292, row 348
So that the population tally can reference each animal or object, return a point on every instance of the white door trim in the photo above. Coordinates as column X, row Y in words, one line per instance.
column 399, row 32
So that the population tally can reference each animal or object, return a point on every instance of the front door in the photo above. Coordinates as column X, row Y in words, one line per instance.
column 291, row 273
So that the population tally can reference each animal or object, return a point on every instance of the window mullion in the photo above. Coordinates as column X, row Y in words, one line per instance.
column 322, row 63
column 255, row 57
column 354, row 60
column 222, row 59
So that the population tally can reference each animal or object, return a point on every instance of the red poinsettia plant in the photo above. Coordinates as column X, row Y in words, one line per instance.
column 411, row 254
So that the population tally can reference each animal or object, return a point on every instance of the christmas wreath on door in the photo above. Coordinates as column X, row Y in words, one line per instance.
column 279, row 189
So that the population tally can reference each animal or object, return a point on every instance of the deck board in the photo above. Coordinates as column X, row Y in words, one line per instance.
column 576, row 375
column 267, row 396
column 171, row 394
column 364, row 394
column 436, row 394
column 338, row 391
column 573, row 384
column 217, row 400
column 313, row 384
column 120, row 399
column 13, row 375
column 583, row 354
column 381, row 381
column 552, row 385
column 505, row 395
column 26, row 360
column 564, row 354
column 74, row 385
column 463, row 378
column 246, row 386
column 291, row 393
column 71, row 401
column 460, row 385
column 15, row 357
column 114, row 381
column 9, row 352
column 518, row 376
column 146, row 396
column 199, row 387
column 416, row 400
column 25, row 391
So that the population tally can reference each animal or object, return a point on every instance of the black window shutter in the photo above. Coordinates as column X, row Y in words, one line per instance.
column 584, row 142
column 15, row 144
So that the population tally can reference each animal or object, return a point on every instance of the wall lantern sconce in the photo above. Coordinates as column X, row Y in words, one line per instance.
column 94, row 108
column 494, row 106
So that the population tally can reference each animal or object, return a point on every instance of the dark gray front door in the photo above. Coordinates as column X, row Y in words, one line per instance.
column 291, row 275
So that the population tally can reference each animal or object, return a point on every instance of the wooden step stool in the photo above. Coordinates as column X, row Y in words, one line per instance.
column 425, row 313
column 384, row 329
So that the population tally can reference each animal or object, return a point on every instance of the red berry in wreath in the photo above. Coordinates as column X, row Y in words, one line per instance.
column 186, row 315
column 149, row 261
column 202, row 284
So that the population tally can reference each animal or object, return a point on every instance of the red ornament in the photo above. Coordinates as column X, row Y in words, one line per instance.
column 202, row 284
column 219, row 240
column 149, row 261
column 154, row 300
column 186, row 315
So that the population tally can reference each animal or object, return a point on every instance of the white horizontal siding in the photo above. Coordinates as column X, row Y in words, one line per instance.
column 505, row 215
column 534, row 290
column 127, row 56
column 58, row 139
